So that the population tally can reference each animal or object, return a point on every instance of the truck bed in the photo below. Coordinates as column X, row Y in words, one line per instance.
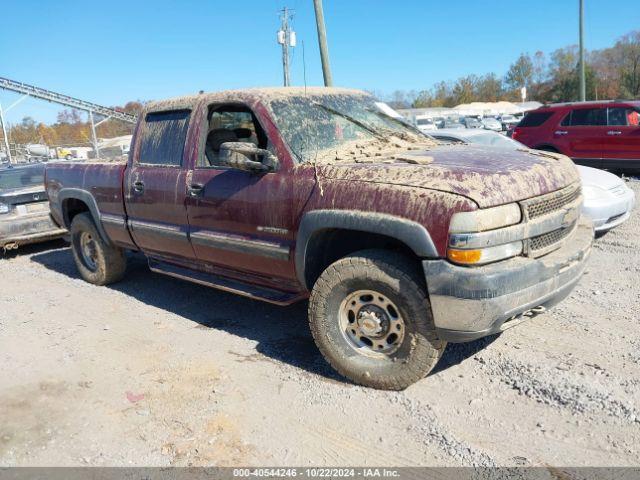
column 102, row 182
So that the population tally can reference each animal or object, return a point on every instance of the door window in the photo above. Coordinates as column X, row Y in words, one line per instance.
column 588, row 117
column 622, row 116
column 230, row 123
column 534, row 119
column 163, row 137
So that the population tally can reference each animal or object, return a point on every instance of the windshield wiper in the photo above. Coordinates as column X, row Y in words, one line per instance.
column 364, row 126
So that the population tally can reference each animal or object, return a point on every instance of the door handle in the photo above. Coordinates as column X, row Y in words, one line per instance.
column 614, row 132
column 560, row 132
column 195, row 189
column 138, row 186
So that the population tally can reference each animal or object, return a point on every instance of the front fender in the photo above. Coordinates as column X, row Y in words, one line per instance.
column 411, row 233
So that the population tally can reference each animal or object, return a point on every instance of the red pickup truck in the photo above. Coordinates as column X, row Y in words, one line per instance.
column 282, row 194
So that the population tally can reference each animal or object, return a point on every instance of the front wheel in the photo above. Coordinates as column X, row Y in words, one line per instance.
column 371, row 319
column 98, row 262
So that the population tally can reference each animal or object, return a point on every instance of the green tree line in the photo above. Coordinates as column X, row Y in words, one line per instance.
column 610, row 73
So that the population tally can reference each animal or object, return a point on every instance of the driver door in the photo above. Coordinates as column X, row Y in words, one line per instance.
column 622, row 141
column 240, row 222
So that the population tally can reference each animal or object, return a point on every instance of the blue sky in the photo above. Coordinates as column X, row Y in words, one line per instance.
column 115, row 51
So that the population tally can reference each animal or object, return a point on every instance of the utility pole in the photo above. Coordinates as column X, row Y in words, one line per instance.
column 4, row 135
column 583, row 83
column 322, row 40
column 286, row 38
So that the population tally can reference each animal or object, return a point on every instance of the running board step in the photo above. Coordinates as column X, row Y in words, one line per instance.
column 227, row 284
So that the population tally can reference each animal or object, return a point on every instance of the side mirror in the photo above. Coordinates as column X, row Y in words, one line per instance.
column 246, row 156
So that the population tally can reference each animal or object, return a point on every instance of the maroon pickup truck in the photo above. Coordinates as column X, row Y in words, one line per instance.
column 277, row 194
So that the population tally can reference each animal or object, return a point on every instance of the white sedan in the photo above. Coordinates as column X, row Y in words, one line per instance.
column 490, row 123
column 607, row 199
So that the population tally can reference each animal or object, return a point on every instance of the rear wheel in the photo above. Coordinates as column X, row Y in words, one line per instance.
column 371, row 319
column 97, row 262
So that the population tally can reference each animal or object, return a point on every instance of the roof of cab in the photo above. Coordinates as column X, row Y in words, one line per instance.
column 248, row 95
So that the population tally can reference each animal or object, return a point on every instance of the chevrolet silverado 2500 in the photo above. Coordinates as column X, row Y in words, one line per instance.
column 400, row 245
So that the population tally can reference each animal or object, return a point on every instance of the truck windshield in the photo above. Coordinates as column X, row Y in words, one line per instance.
column 321, row 127
column 21, row 177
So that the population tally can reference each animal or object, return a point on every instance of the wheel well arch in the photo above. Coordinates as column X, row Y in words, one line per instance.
column 72, row 207
column 325, row 236
column 74, row 201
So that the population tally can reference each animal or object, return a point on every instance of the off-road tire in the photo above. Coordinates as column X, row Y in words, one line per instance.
column 110, row 261
column 398, row 278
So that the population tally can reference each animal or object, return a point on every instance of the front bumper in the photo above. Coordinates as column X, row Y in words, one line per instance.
column 472, row 302
column 17, row 230
column 609, row 213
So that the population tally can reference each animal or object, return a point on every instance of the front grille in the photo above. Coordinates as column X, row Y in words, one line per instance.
column 544, row 241
column 546, row 204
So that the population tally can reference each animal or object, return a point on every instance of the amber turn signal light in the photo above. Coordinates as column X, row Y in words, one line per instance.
column 464, row 256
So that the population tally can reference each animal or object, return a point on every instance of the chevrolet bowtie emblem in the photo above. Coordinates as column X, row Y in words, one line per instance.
column 569, row 218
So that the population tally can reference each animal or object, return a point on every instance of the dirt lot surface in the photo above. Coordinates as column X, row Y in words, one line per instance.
column 156, row 371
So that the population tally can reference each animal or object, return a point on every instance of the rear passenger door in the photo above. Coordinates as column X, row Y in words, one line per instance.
column 622, row 141
column 155, row 186
column 581, row 133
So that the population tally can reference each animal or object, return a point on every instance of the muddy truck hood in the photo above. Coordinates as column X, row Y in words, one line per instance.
column 487, row 175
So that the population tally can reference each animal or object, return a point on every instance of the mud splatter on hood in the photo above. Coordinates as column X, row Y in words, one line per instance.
column 488, row 176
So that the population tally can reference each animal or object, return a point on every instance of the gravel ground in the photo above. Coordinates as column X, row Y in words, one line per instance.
column 156, row 371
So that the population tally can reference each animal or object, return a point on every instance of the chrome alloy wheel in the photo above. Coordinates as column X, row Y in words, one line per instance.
column 371, row 323
column 89, row 251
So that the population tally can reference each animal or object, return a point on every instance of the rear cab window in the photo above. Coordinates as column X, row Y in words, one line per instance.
column 164, row 135
column 534, row 119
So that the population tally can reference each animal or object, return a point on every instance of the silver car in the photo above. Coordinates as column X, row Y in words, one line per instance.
column 490, row 123
column 24, row 207
column 607, row 199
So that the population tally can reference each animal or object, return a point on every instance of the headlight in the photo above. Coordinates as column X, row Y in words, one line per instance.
column 486, row 219
column 464, row 226
column 4, row 208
